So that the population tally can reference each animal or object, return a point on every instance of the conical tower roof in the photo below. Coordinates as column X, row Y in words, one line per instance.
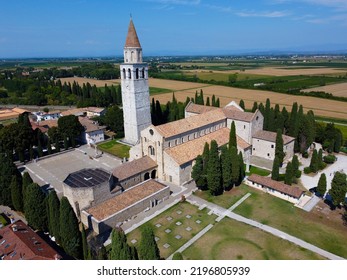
column 132, row 40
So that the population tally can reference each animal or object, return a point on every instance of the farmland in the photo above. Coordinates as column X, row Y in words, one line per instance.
column 336, row 89
column 321, row 107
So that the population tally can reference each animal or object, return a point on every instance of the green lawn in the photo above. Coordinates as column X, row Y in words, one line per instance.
column 186, row 209
column 155, row 90
column 259, row 171
column 233, row 240
column 317, row 228
column 115, row 148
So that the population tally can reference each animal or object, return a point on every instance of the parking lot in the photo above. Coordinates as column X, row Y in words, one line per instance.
column 50, row 172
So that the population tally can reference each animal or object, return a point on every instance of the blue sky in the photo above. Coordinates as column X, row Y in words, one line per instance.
column 52, row 28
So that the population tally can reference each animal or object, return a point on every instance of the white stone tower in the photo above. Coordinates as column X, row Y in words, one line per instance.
column 135, row 90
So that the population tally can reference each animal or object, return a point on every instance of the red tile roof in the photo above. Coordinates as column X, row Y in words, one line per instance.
column 198, row 109
column 18, row 241
column 132, row 40
column 275, row 185
column 126, row 199
column 235, row 114
column 134, row 167
column 271, row 136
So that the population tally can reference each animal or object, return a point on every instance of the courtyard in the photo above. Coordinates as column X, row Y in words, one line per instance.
column 50, row 172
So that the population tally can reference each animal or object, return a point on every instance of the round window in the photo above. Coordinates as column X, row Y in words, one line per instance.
column 151, row 131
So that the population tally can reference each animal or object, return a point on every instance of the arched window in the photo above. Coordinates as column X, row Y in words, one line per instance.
column 129, row 73
column 137, row 73
column 143, row 73
column 124, row 77
column 131, row 56
column 151, row 150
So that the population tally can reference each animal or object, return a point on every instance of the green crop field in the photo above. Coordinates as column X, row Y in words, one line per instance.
column 155, row 90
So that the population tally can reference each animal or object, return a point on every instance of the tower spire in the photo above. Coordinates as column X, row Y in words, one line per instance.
column 132, row 40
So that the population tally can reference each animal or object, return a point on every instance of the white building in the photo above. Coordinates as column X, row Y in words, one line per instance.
column 93, row 132
column 135, row 90
column 43, row 116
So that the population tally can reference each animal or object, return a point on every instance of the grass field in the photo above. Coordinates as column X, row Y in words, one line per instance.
column 222, row 76
column 169, row 238
column 321, row 227
column 259, row 171
column 115, row 148
column 336, row 89
column 232, row 240
column 155, row 91
column 98, row 83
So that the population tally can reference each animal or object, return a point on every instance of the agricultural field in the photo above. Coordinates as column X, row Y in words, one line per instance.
column 336, row 89
column 98, row 83
column 321, row 107
column 232, row 240
column 293, row 71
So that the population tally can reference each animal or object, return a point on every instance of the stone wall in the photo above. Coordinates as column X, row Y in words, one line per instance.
column 263, row 148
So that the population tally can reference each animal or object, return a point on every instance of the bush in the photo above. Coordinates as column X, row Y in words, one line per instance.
column 298, row 174
column 329, row 159
column 307, row 170
column 305, row 154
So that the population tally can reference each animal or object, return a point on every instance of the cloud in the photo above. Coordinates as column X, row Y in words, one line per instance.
column 271, row 14
column 219, row 8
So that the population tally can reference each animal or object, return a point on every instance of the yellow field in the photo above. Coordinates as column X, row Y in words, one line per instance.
column 321, row 107
column 336, row 89
column 282, row 71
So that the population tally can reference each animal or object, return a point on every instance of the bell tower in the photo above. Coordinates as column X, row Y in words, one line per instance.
column 135, row 89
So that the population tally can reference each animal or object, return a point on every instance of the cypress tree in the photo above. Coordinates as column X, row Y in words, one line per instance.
column 295, row 165
column 159, row 113
column 217, row 102
column 255, row 106
column 279, row 147
column 205, row 158
column 66, row 144
column 26, row 181
column 57, row 145
column 214, row 171
column 196, row 98
column 54, row 215
column 198, row 172
column 235, row 166
column 85, row 247
column 242, row 168
column 275, row 169
column 288, row 179
column 320, row 159
column 208, row 101
column 293, row 120
column 39, row 148
column 153, row 112
column 214, row 100
column 226, row 168
column 148, row 248
column 49, row 147
column 202, row 101
column 16, row 193
column 242, row 104
column 69, row 230
column 314, row 161
column 267, row 114
column 322, row 184
column 232, row 136
column 35, row 207
column 338, row 188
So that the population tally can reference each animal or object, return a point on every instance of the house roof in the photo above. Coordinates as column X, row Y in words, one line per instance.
column 275, row 185
column 233, row 113
column 134, row 167
column 94, row 109
column 35, row 125
column 271, row 136
column 132, row 40
column 198, row 109
column 126, row 199
column 19, row 110
column 75, row 111
column 193, row 122
column 18, row 241
column 90, row 125
column 189, row 151
column 48, row 123
column 87, row 178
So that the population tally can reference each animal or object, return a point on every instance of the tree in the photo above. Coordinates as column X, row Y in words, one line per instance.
column 288, row 179
column 255, row 107
column 322, row 184
column 7, row 170
column 320, row 159
column 338, row 188
column 235, row 166
column 70, row 126
column 54, row 215
column 242, row 168
column 120, row 250
column 314, row 161
column 49, row 147
column 26, row 181
column 275, row 174
column 148, row 248
column 208, row 101
column 198, row 172
column 35, row 207
column 242, row 104
column 16, row 193
column 279, row 147
column 69, row 230
column 295, row 165
column 214, row 171
column 225, row 158
column 232, row 136
column 85, row 247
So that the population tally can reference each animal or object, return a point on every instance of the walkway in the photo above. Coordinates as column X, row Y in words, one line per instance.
column 225, row 212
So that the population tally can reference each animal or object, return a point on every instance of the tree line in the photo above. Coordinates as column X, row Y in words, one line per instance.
column 219, row 171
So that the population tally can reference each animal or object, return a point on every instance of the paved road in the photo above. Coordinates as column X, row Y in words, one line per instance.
column 225, row 212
